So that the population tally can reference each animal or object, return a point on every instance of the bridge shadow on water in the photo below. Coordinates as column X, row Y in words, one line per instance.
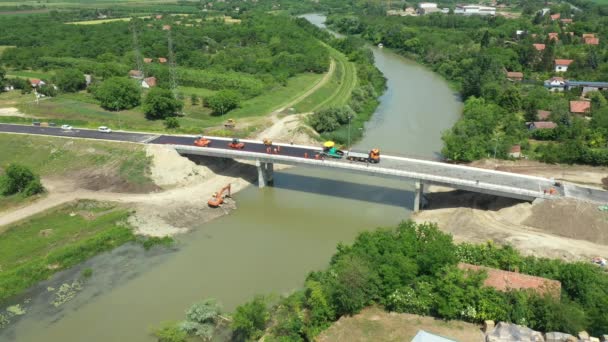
column 345, row 189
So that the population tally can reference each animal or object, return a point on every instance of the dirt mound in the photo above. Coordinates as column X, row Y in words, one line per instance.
column 572, row 219
column 109, row 179
column 169, row 169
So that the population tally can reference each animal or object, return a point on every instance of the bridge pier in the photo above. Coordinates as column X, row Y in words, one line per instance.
column 265, row 173
column 418, row 195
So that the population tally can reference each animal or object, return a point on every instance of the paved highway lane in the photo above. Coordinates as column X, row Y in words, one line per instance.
column 76, row 133
column 292, row 151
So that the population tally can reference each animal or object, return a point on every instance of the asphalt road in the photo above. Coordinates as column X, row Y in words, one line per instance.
column 438, row 169
column 76, row 133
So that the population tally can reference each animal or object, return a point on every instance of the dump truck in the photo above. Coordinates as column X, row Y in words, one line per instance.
column 373, row 156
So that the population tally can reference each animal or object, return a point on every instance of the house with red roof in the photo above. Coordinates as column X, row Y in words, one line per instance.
column 580, row 107
column 555, row 83
column 543, row 115
column 539, row 47
column 515, row 76
column 515, row 151
column 147, row 60
column 553, row 36
column 35, row 82
column 592, row 41
column 561, row 65
column 505, row 281
column 541, row 125
column 555, row 16
column 148, row 82
column 162, row 60
column 588, row 35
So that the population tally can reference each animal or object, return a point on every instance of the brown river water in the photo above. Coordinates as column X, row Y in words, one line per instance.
column 277, row 235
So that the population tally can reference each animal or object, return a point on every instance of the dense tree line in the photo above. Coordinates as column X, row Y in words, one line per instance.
column 474, row 52
column 259, row 53
column 413, row 269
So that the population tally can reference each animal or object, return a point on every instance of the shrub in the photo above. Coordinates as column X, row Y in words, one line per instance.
column 249, row 320
column 70, row 80
column 170, row 332
column 20, row 179
column 223, row 101
column 171, row 123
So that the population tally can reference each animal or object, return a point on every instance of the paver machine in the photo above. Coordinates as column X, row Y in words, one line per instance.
column 330, row 150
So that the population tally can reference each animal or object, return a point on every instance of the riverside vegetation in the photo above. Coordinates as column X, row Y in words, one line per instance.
column 413, row 268
column 473, row 53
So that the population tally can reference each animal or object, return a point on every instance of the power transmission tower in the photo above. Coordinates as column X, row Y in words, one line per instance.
column 138, row 58
column 172, row 71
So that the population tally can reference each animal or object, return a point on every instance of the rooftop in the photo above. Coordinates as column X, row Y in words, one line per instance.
column 592, row 41
column 515, row 74
column 543, row 114
column 555, row 16
column 563, row 62
column 588, row 35
column 539, row 47
column 543, row 124
column 580, row 107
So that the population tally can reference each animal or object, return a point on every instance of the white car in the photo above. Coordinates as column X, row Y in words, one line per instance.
column 66, row 127
column 104, row 129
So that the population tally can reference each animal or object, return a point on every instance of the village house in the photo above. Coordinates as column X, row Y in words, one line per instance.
column 427, row 8
column 592, row 41
column 539, row 47
column 555, row 16
column 162, row 60
column 166, row 27
column 147, row 60
column 543, row 115
column 541, row 125
column 561, row 65
column 553, row 36
column 136, row 74
column 148, row 82
column 506, row 281
column 580, row 107
column 474, row 10
column 88, row 79
column 588, row 35
column 35, row 82
column 515, row 151
column 515, row 76
column 555, row 83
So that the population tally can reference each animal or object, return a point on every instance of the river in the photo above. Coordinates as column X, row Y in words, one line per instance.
column 277, row 235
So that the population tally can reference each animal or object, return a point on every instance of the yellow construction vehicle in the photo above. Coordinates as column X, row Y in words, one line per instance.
column 230, row 123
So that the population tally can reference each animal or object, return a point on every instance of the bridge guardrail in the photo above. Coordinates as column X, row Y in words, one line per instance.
column 371, row 169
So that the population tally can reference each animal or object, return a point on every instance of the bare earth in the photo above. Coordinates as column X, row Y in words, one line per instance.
column 564, row 229
column 375, row 324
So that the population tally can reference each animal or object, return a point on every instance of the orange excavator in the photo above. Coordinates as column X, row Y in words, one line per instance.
column 236, row 144
column 202, row 142
column 218, row 198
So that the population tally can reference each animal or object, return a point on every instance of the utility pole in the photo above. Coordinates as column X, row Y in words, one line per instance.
column 172, row 73
column 138, row 58
column 349, row 117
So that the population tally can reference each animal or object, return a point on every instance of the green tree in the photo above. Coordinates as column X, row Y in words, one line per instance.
column 249, row 319
column 223, row 101
column 171, row 123
column 2, row 79
column 118, row 93
column 485, row 40
column 511, row 99
column 20, row 179
column 170, row 332
column 201, row 319
column 355, row 285
column 70, row 80
column 160, row 104
column 194, row 99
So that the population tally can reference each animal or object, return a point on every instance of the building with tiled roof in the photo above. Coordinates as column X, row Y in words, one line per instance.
column 162, row 60
column 541, row 125
column 539, row 47
column 555, row 16
column 515, row 75
column 592, row 41
column 147, row 60
column 588, row 35
column 561, row 65
column 580, row 107
column 543, row 115
column 553, row 36
column 148, row 82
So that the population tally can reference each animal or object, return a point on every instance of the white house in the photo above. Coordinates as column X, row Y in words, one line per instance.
column 474, row 10
column 555, row 84
column 427, row 7
column 148, row 82
column 561, row 65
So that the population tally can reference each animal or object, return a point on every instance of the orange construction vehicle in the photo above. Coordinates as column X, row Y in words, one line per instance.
column 267, row 142
column 202, row 142
column 218, row 198
column 374, row 155
column 236, row 144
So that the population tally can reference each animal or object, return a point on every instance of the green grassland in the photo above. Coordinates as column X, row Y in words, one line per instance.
column 337, row 91
column 81, row 109
column 50, row 156
column 34, row 249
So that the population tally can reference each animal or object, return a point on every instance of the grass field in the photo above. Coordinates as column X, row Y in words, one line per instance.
column 34, row 249
column 28, row 74
column 4, row 47
column 337, row 91
column 100, row 21
column 82, row 110
column 50, row 156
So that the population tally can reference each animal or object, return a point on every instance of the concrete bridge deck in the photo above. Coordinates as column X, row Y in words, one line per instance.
column 421, row 171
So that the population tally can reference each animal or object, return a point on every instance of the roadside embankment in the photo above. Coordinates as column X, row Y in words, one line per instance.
column 566, row 229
